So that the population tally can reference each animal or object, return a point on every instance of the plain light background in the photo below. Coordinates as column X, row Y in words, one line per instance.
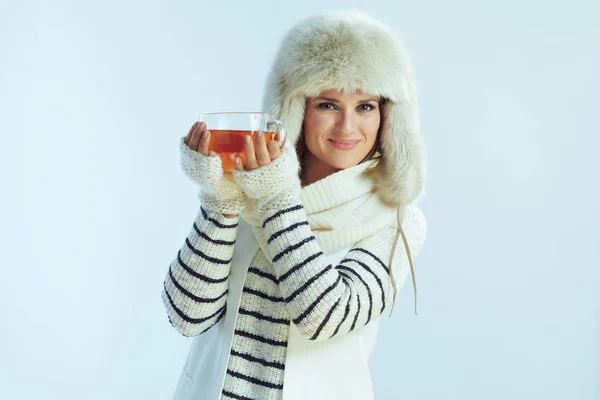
column 93, row 100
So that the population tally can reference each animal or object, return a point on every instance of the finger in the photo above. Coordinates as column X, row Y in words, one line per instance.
column 238, row 165
column 262, row 153
column 186, row 140
column 251, row 162
column 204, row 142
column 195, row 140
column 274, row 149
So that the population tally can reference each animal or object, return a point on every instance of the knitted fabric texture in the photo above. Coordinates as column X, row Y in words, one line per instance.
column 276, row 187
column 218, row 190
column 270, row 187
column 288, row 281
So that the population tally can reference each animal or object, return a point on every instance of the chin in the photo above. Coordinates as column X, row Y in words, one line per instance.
column 344, row 162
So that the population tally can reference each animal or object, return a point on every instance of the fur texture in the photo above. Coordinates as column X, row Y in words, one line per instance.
column 349, row 51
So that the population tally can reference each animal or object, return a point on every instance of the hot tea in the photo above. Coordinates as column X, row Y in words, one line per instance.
column 229, row 129
column 227, row 143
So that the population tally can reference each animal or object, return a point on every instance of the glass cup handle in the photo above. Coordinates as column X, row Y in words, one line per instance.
column 280, row 129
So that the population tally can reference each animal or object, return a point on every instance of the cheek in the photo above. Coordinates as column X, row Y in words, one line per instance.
column 371, row 129
column 315, row 126
column 311, row 138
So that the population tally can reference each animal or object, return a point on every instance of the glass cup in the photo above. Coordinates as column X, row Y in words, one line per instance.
column 228, row 129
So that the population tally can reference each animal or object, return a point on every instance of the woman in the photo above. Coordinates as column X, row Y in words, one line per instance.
column 289, row 263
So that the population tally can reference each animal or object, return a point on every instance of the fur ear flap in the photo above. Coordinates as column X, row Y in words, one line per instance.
column 401, row 172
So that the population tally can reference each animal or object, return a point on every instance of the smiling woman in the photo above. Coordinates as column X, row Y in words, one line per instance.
column 292, row 260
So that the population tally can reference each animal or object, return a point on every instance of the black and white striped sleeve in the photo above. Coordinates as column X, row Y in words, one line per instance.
column 195, row 288
column 324, row 300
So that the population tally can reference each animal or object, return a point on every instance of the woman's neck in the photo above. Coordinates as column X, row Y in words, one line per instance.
column 313, row 169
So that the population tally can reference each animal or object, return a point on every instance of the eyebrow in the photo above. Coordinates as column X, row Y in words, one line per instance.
column 337, row 101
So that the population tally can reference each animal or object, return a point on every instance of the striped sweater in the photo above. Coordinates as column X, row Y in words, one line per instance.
column 288, row 279
column 291, row 282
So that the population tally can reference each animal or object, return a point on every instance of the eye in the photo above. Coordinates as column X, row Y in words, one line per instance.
column 367, row 107
column 327, row 106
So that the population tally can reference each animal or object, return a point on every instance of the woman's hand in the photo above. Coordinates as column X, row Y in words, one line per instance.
column 263, row 155
column 198, row 139
column 219, row 192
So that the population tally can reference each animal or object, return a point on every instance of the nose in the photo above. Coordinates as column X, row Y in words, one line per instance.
column 346, row 123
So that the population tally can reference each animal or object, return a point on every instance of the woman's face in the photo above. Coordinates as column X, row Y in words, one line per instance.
column 340, row 129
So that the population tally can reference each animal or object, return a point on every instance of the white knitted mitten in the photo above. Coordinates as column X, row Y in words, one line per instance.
column 218, row 191
column 273, row 186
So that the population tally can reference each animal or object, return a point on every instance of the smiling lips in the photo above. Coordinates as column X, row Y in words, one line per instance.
column 344, row 144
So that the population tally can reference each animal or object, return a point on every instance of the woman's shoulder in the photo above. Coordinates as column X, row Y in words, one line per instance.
column 414, row 219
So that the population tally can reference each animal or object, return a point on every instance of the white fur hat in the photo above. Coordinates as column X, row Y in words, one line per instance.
column 351, row 51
